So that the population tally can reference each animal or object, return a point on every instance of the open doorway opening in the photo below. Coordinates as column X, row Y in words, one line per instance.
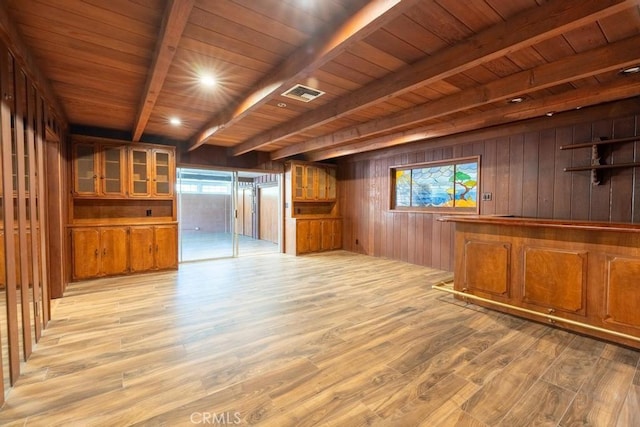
column 227, row 213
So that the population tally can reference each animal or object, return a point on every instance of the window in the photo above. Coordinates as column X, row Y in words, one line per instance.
column 448, row 186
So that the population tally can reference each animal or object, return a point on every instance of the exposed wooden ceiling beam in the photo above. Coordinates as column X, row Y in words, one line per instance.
column 622, row 88
column 525, row 29
column 306, row 59
column 173, row 23
column 596, row 61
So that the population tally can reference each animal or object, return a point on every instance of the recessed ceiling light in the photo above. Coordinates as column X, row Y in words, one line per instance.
column 175, row 121
column 281, row 104
column 207, row 80
column 516, row 100
column 631, row 70
column 550, row 113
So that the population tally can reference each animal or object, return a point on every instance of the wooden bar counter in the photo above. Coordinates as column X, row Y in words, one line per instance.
column 582, row 276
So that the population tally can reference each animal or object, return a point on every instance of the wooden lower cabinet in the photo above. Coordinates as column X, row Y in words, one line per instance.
column 99, row 251
column 153, row 247
column 315, row 235
column 108, row 251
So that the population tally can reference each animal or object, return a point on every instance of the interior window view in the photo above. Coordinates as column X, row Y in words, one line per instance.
column 224, row 214
column 287, row 213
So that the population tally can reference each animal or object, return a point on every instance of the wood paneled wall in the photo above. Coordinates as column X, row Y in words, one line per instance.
column 522, row 168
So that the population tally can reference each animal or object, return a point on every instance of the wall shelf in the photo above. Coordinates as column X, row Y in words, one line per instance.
column 596, row 157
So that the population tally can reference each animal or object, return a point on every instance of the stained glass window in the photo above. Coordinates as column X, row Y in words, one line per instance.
column 449, row 186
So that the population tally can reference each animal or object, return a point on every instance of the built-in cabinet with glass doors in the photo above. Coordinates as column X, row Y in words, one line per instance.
column 123, row 209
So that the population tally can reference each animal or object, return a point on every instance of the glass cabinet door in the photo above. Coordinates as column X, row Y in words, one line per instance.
column 112, row 178
column 309, row 185
column 84, row 173
column 298, row 182
column 139, row 167
column 162, row 173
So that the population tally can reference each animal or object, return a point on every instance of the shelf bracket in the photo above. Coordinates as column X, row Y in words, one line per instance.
column 595, row 161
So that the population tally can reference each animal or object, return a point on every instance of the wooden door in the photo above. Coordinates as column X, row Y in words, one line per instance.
column 302, row 236
column 268, row 214
column 162, row 175
column 331, row 183
column 166, row 246
column 310, row 176
column 321, row 184
column 315, row 235
column 326, row 235
column 297, row 182
column 139, row 172
column 337, row 234
column 115, row 250
column 141, row 248
column 112, row 171
column 85, row 170
column 85, row 252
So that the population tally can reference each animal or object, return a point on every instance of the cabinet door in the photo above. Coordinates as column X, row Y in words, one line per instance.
column 166, row 246
column 297, row 182
column 139, row 172
column 337, row 234
column 315, row 235
column 115, row 250
column 327, row 235
column 302, row 236
column 85, row 170
column 85, row 252
column 112, row 173
column 321, row 184
column 310, row 173
column 331, row 183
column 141, row 248
column 162, row 179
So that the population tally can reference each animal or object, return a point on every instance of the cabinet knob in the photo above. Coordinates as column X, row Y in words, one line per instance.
column 150, row 248
column 104, row 251
column 96, row 254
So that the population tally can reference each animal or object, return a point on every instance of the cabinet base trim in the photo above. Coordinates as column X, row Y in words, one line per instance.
column 446, row 287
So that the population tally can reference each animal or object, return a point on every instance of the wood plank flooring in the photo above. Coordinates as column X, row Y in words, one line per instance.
column 333, row 339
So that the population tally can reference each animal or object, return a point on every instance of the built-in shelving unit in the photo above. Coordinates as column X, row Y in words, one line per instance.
column 596, row 164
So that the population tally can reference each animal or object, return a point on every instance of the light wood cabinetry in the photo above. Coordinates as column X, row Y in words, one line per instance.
column 99, row 251
column 312, row 221
column 581, row 276
column 99, row 170
column 313, row 182
column 153, row 247
column 152, row 172
column 122, row 216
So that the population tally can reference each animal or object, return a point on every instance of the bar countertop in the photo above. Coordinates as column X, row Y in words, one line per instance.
column 543, row 223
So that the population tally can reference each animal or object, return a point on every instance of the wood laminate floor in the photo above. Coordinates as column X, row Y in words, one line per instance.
column 333, row 339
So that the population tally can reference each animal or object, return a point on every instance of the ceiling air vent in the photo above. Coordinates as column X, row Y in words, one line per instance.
column 303, row 93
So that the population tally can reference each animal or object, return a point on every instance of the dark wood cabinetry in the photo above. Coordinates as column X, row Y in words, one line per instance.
column 122, row 213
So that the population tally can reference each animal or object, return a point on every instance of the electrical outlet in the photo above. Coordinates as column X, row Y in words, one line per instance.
column 148, row 212
column 486, row 197
column 356, row 241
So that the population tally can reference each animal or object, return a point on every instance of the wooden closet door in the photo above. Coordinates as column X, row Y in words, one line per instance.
column 85, row 250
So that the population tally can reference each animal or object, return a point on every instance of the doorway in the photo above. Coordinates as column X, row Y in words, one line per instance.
column 220, row 215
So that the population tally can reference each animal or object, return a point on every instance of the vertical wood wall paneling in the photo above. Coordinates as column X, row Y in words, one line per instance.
column 580, row 181
column 8, row 213
column 562, row 180
column 20, row 97
column 524, row 171
column 600, row 194
column 34, row 194
column 546, row 176
column 622, row 179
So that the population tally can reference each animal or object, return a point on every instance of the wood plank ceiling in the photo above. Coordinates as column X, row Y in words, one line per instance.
column 392, row 71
